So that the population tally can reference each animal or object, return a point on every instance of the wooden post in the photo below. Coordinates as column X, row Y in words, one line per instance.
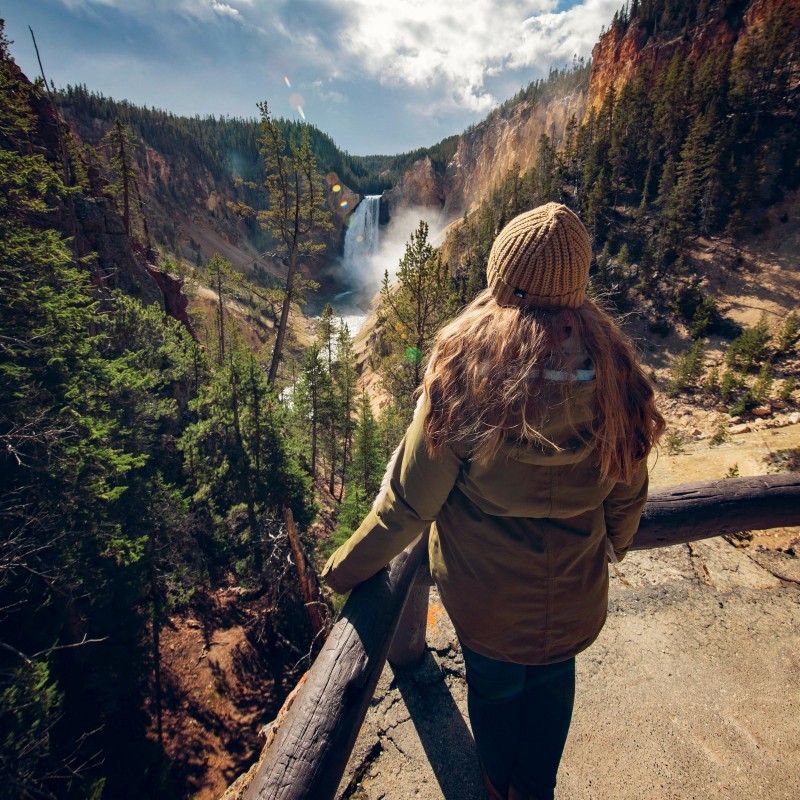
column 309, row 754
column 408, row 644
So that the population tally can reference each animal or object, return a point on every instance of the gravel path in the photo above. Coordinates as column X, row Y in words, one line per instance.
column 690, row 692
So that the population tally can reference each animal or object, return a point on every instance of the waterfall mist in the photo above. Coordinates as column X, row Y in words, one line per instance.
column 370, row 250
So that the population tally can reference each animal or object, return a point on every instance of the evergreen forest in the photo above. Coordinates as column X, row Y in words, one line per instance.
column 153, row 460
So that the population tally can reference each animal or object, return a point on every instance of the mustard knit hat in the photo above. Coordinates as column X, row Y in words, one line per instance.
column 541, row 259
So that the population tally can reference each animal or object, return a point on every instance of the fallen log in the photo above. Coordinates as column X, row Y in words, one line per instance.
column 311, row 747
column 694, row 511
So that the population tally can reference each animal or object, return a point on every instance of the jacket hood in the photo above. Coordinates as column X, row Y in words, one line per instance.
column 567, row 429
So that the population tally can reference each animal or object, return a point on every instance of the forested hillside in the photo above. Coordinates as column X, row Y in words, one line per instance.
column 141, row 471
column 152, row 469
column 190, row 170
column 687, row 143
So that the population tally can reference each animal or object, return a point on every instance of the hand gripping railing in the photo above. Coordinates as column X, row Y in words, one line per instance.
column 309, row 753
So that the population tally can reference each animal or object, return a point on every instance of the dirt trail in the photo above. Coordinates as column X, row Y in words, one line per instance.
column 690, row 692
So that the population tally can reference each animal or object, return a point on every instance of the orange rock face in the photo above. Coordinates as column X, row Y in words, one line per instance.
column 619, row 55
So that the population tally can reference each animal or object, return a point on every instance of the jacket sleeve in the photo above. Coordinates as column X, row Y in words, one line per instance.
column 623, row 509
column 414, row 489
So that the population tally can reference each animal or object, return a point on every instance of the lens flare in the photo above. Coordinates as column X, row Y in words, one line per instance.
column 359, row 238
column 343, row 204
column 413, row 355
column 297, row 102
column 336, row 188
column 332, row 178
column 286, row 81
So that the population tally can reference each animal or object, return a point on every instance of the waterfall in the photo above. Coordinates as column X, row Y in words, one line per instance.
column 360, row 246
column 361, row 239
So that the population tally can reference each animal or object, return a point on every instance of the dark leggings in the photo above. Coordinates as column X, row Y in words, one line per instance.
column 520, row 717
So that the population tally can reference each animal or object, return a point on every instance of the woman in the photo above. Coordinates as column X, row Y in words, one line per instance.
column 527, row 456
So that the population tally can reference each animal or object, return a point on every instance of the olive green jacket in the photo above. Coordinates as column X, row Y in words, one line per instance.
column 518, row 547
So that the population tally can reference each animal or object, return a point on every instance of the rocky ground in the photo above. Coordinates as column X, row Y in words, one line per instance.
column 690, row 692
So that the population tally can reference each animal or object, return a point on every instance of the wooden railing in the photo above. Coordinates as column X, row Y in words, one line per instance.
column 386, row 616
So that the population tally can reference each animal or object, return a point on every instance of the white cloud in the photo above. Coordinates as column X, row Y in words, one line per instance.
column 224, row 10
column 329, row 95
column 152, row 9
column 447, row 48
column 460, row 43
column 374, row 68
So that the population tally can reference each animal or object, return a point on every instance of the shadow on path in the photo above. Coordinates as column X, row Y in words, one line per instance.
column 445, row 736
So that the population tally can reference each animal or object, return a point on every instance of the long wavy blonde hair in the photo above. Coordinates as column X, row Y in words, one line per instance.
column 486, row 380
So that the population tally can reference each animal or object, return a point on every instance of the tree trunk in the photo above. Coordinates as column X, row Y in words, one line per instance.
column 694, row 511
column 408, row 642
column 308, row 578
column 246, row 482
column 284, row 321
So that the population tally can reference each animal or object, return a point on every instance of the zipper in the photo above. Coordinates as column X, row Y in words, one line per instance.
column 548, row 551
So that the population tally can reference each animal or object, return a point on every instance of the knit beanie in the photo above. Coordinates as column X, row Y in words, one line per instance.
column 541, row 260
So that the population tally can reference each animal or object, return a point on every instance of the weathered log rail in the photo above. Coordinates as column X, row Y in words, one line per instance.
column 309, row 754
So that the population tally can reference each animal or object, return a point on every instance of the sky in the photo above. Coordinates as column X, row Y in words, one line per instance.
column 379, row 76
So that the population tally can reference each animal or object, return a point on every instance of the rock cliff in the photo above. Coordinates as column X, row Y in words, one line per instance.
column 625, row 49
column 421, row 185
column 97, row 229
column 487, row 151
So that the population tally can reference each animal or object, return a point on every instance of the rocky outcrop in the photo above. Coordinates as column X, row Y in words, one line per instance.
column 510, row 135
column 91, row 219
column 421, row 185
column 176, row 303
column 341, row 204
column 484, row 155
column 101, row 233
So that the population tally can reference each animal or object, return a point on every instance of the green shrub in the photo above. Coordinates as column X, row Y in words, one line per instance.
column 711, row 384
column 762, row 388
column 788, row 336
column 751, row 347
column 706, row 318
column 787, row 390
column 729, row 385
column 675, row 443
column 745, row 403
column 720, row 436
column 686, row 369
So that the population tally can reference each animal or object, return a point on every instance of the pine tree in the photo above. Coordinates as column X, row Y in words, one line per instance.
column 368, row 461
column 548, row 188
column 411, row 314
column 365, row 472
column 345, row 376
column 598, row 206
column 296, row 214
column 315, row 389
column 238, row 457
column 120, row 146
column 222, row 278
